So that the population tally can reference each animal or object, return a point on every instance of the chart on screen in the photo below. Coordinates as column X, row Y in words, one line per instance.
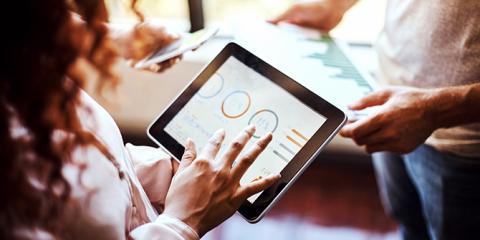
column 237, row 96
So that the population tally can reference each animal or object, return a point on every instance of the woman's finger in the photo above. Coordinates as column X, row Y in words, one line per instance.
column 210, row 151
column 168, row 64
column 159, row 67
column 247, row 160
column 237, row 145
column 175, row 165
column 190, row 153
column 257, row 186
column 153, row 68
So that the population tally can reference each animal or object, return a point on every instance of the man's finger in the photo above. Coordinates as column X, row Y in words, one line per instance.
column 377, row 148
column 274, row 20
column 380, row 136
column 373, row 99
column 284, row 17
column 190, row 153
column 375, row 137
column 214, row 144
column 257, row 186
column 247, row 160
column 277, row 19
column 361, row 128
column 237, row 145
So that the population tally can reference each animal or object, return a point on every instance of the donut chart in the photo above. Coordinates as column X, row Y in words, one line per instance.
column 212, row 87
column 236, row 104
column 265, row 121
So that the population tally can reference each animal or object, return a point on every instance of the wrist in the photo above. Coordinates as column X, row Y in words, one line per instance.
column 450, row 106
column 343, row 5
column 178, row 226
column 189, row 221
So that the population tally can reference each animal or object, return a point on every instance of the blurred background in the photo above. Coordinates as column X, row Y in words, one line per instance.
column 361, row 24
column 337, row 197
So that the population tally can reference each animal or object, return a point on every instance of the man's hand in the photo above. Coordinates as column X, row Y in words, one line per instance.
column 405, row 120
column 322, row 15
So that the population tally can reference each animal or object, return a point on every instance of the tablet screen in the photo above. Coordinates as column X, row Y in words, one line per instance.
column 236, row 96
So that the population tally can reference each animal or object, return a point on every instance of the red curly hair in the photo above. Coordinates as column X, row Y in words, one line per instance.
column 39, row 44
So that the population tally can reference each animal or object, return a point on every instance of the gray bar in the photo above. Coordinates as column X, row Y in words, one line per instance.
column 286, row 148
column 281, row 156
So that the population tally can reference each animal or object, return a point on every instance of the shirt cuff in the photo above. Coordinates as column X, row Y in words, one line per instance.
column 177, row 225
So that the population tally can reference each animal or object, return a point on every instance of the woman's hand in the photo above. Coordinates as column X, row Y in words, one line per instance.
column 143, row 39
column 322, row 15
column 206, row 190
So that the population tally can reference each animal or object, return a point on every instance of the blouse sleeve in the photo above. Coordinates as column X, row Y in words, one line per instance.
column 154, row 169
column 164, row 228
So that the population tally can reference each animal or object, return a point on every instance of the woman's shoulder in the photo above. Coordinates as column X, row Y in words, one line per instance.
column 97, row 120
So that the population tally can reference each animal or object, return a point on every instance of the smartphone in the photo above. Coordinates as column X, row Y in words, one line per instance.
column 184, row 43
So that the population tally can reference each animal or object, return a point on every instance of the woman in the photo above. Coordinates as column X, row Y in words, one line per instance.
column 65, row 171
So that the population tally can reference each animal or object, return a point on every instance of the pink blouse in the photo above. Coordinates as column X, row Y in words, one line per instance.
column 105, row 206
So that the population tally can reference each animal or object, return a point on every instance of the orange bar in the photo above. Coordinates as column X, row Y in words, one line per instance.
column 299, row 134
column 294, row 142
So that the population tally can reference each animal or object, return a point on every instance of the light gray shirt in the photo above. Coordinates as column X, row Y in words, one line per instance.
column 434, row 43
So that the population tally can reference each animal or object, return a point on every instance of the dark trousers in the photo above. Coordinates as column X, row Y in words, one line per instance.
column 432, row 195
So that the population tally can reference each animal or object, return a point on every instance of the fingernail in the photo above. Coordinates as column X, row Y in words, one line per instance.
column 274, row 175
column 277, row 176
column 251, row 127
column 219, row 133
column 268, row 136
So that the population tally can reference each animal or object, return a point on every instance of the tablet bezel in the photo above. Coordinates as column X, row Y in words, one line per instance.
column 335, row 119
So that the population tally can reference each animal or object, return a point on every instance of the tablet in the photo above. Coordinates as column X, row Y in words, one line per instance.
column 237, row 89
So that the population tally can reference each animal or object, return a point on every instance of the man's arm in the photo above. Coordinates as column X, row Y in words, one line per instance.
column 455, row 106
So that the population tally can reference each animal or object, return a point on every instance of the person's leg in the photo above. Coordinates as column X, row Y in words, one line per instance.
column 399, row 196
column 449, row 188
